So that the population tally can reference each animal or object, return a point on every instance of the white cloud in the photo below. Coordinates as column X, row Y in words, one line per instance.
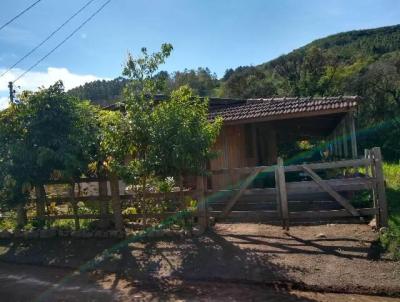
column 35, row 79
column 3, row 102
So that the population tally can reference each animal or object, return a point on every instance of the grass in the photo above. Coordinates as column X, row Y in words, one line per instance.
column 390, row 240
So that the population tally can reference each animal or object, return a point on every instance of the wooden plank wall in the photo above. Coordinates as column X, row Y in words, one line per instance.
column 231, row 145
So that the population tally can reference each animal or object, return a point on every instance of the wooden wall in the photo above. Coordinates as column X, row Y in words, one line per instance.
column 231, row 148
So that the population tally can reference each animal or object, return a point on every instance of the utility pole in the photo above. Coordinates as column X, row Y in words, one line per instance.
column 10, row 87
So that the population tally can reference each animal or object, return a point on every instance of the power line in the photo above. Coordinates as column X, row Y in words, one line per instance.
column 47, row 38
column 20, row 14
column 63, row 41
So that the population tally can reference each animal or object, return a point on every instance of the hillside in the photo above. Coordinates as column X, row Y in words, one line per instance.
column 354, row 49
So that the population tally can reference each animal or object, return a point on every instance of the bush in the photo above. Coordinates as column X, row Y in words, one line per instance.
column 390, row 239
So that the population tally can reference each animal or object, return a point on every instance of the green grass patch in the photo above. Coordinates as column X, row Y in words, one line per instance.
column 390, row 240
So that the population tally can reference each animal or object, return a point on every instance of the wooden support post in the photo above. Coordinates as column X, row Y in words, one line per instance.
column 277, row 192
column 202, row 202
column 345, row 137
column 370, row 171
column 271, row 146
column 366, row 156
column 116, row 202
column 326, row 187
column 335, row 144
column 74, row 206
column 283, row 194
column 41, row 200
column 380, row 187
column 340, row 143
column 103, row 204
column 353, row 137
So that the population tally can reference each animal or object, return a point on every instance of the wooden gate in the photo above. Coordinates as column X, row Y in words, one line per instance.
column 307, row 192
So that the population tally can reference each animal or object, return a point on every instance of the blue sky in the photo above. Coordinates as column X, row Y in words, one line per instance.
column 209, row 33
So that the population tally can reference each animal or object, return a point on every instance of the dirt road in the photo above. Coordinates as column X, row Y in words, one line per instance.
column 21, row 283
column 233, row 262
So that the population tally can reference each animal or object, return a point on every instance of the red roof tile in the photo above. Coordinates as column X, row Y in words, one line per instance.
column 238, row 110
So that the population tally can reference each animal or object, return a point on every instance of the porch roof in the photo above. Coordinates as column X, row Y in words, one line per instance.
column 241, row 111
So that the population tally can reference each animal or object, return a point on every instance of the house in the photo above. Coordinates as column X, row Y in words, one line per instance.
column 254, row 129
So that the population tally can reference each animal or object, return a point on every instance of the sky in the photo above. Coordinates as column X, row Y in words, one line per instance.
column 218, row 34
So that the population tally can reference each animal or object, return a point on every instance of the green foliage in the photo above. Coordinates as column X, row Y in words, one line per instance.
column 101, row 92
column 391, row 239
column 46, row 135
column 182, row 137
column 202, row 81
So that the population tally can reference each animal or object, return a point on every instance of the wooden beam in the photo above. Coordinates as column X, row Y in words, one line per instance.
column 339, row 198
column 345, row 137
column 281, row 190
column 353, row 137
column 287, row 116
column 116, row 202
column 246, row 183
column 74, row 205
column 380, row 187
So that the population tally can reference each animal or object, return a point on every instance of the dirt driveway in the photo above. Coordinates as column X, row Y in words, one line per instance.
column 250, row 261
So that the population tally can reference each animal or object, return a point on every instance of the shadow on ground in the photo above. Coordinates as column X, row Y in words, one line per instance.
column 232, row 255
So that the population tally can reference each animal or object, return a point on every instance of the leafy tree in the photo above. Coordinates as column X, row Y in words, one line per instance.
column 182, row 136
column 49, row 136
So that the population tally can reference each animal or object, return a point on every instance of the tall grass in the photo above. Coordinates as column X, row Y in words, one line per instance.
column 391, row 239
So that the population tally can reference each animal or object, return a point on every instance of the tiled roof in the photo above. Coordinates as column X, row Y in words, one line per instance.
column 238, row 110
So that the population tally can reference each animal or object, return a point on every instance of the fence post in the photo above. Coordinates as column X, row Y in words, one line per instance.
column 380, row 187
column 74, row 205
column 103, row 194
column 277, row 193
column 282, row 193
column 41, row 201
column 116, row 202
column 202, row 202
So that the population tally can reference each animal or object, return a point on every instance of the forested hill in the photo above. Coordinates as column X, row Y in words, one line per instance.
column 328, row 63
column 362, row 62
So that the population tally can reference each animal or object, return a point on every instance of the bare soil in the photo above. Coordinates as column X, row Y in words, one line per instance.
column 233, row 262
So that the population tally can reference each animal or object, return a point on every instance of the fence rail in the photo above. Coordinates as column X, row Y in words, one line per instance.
column 287, row 200
column 288, row 197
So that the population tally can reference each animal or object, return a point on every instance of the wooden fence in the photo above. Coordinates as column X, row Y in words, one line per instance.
column 316, row 197
column 108, row 190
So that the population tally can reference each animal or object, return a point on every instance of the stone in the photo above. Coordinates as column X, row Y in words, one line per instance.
column 113, row 234
column 32, row 234
column 86, row 234
column 320, row 235
column 49, row 233
column 18, row 234
column 5, row 234
column 64, row 233
column 76, row 234
column 383, row 230
column 100, row 234
column 372, row 224
column 197, row 231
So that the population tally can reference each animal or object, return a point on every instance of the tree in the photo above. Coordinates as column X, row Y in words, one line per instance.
column 51, row 135
column 183, row 136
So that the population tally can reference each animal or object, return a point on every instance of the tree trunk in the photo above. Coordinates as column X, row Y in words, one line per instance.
column 116, row 202
column 40, row 202
column 22, row 219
